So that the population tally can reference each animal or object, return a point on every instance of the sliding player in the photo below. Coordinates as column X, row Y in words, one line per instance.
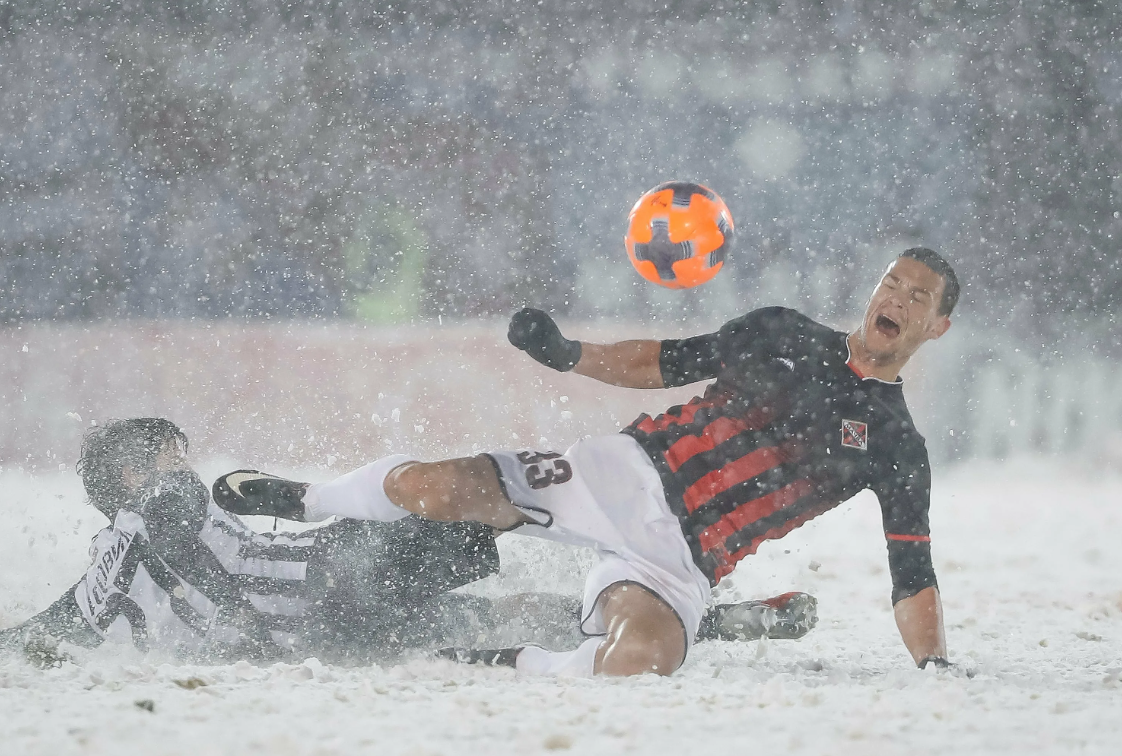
column 799, row 419
column 175, row 573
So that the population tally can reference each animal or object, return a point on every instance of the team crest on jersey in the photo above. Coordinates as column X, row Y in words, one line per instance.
column 855, row 435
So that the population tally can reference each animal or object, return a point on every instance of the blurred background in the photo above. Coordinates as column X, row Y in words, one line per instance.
column 297, row 227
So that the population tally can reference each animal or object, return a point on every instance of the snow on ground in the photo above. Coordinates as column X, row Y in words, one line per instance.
column 1031, row 573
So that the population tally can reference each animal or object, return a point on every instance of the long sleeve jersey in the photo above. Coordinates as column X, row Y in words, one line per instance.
column 787, row 431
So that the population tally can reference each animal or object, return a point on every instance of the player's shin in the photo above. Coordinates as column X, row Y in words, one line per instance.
column 359, row 495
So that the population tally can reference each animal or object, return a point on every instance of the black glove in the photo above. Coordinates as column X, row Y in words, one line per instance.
column 535, row 333
column 938, row 661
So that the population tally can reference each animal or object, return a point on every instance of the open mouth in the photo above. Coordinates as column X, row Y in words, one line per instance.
column 887, row 326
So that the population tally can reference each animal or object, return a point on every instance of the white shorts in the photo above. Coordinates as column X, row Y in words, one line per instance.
column 605, row 493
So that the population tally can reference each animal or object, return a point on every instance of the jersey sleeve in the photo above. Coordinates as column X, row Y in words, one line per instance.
column 904, row 491
column 173, row 524
column 685, row 361
column 62, row 620
column 700, row 358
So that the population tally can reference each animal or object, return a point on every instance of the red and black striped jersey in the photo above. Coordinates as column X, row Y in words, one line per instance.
column 787, row 431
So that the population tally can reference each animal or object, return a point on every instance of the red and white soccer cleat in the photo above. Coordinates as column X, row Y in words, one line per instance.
column 789, row 616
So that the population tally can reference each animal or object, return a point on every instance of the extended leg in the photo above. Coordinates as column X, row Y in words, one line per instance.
column 453, row 490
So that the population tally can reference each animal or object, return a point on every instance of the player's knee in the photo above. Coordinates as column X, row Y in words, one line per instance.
column 423, row 488
column 635, row 655
column 644, row 633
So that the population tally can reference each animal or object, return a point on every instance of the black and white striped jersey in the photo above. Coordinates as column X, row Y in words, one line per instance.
column 180, row 574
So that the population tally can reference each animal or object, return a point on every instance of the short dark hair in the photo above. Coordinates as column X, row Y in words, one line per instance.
column 939, row 264
column 108, row 449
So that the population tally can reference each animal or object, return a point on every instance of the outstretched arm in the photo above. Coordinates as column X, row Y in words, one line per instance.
column 905, row 498
column 642, row 363
column 920, row 619
column 631, row 364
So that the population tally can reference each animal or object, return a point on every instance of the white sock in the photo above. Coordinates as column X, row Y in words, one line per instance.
column 579, row 663
column 359, row 495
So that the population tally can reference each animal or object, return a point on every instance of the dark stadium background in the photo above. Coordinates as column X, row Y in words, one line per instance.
column 180, row 167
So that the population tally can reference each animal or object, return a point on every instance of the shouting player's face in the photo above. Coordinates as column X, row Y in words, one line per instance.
column 903, row 312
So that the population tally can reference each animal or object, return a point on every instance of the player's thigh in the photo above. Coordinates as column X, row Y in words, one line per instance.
column 466, row 488
column 645, row 634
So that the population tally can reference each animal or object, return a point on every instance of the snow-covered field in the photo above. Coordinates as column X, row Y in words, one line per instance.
column 1029, row 556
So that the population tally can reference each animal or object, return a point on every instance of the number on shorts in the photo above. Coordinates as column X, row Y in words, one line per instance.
column 540, row 472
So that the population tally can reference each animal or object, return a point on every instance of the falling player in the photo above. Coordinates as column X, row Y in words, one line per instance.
column 799, row 419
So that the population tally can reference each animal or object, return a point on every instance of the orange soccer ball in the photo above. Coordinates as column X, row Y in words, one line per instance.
column 678, row 234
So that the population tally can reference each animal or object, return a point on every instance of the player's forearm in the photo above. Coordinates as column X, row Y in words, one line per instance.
column 62, row 620
column 631, row 364
column 920, row 620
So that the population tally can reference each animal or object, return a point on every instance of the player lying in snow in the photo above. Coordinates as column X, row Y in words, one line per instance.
column 800, row 418
column 174, row 572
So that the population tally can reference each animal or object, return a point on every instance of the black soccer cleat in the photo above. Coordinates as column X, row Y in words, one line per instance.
column 498, row 657
column 251, row 492
column 789, row 617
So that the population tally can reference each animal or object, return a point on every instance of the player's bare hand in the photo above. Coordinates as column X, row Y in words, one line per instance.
column 535, row 333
